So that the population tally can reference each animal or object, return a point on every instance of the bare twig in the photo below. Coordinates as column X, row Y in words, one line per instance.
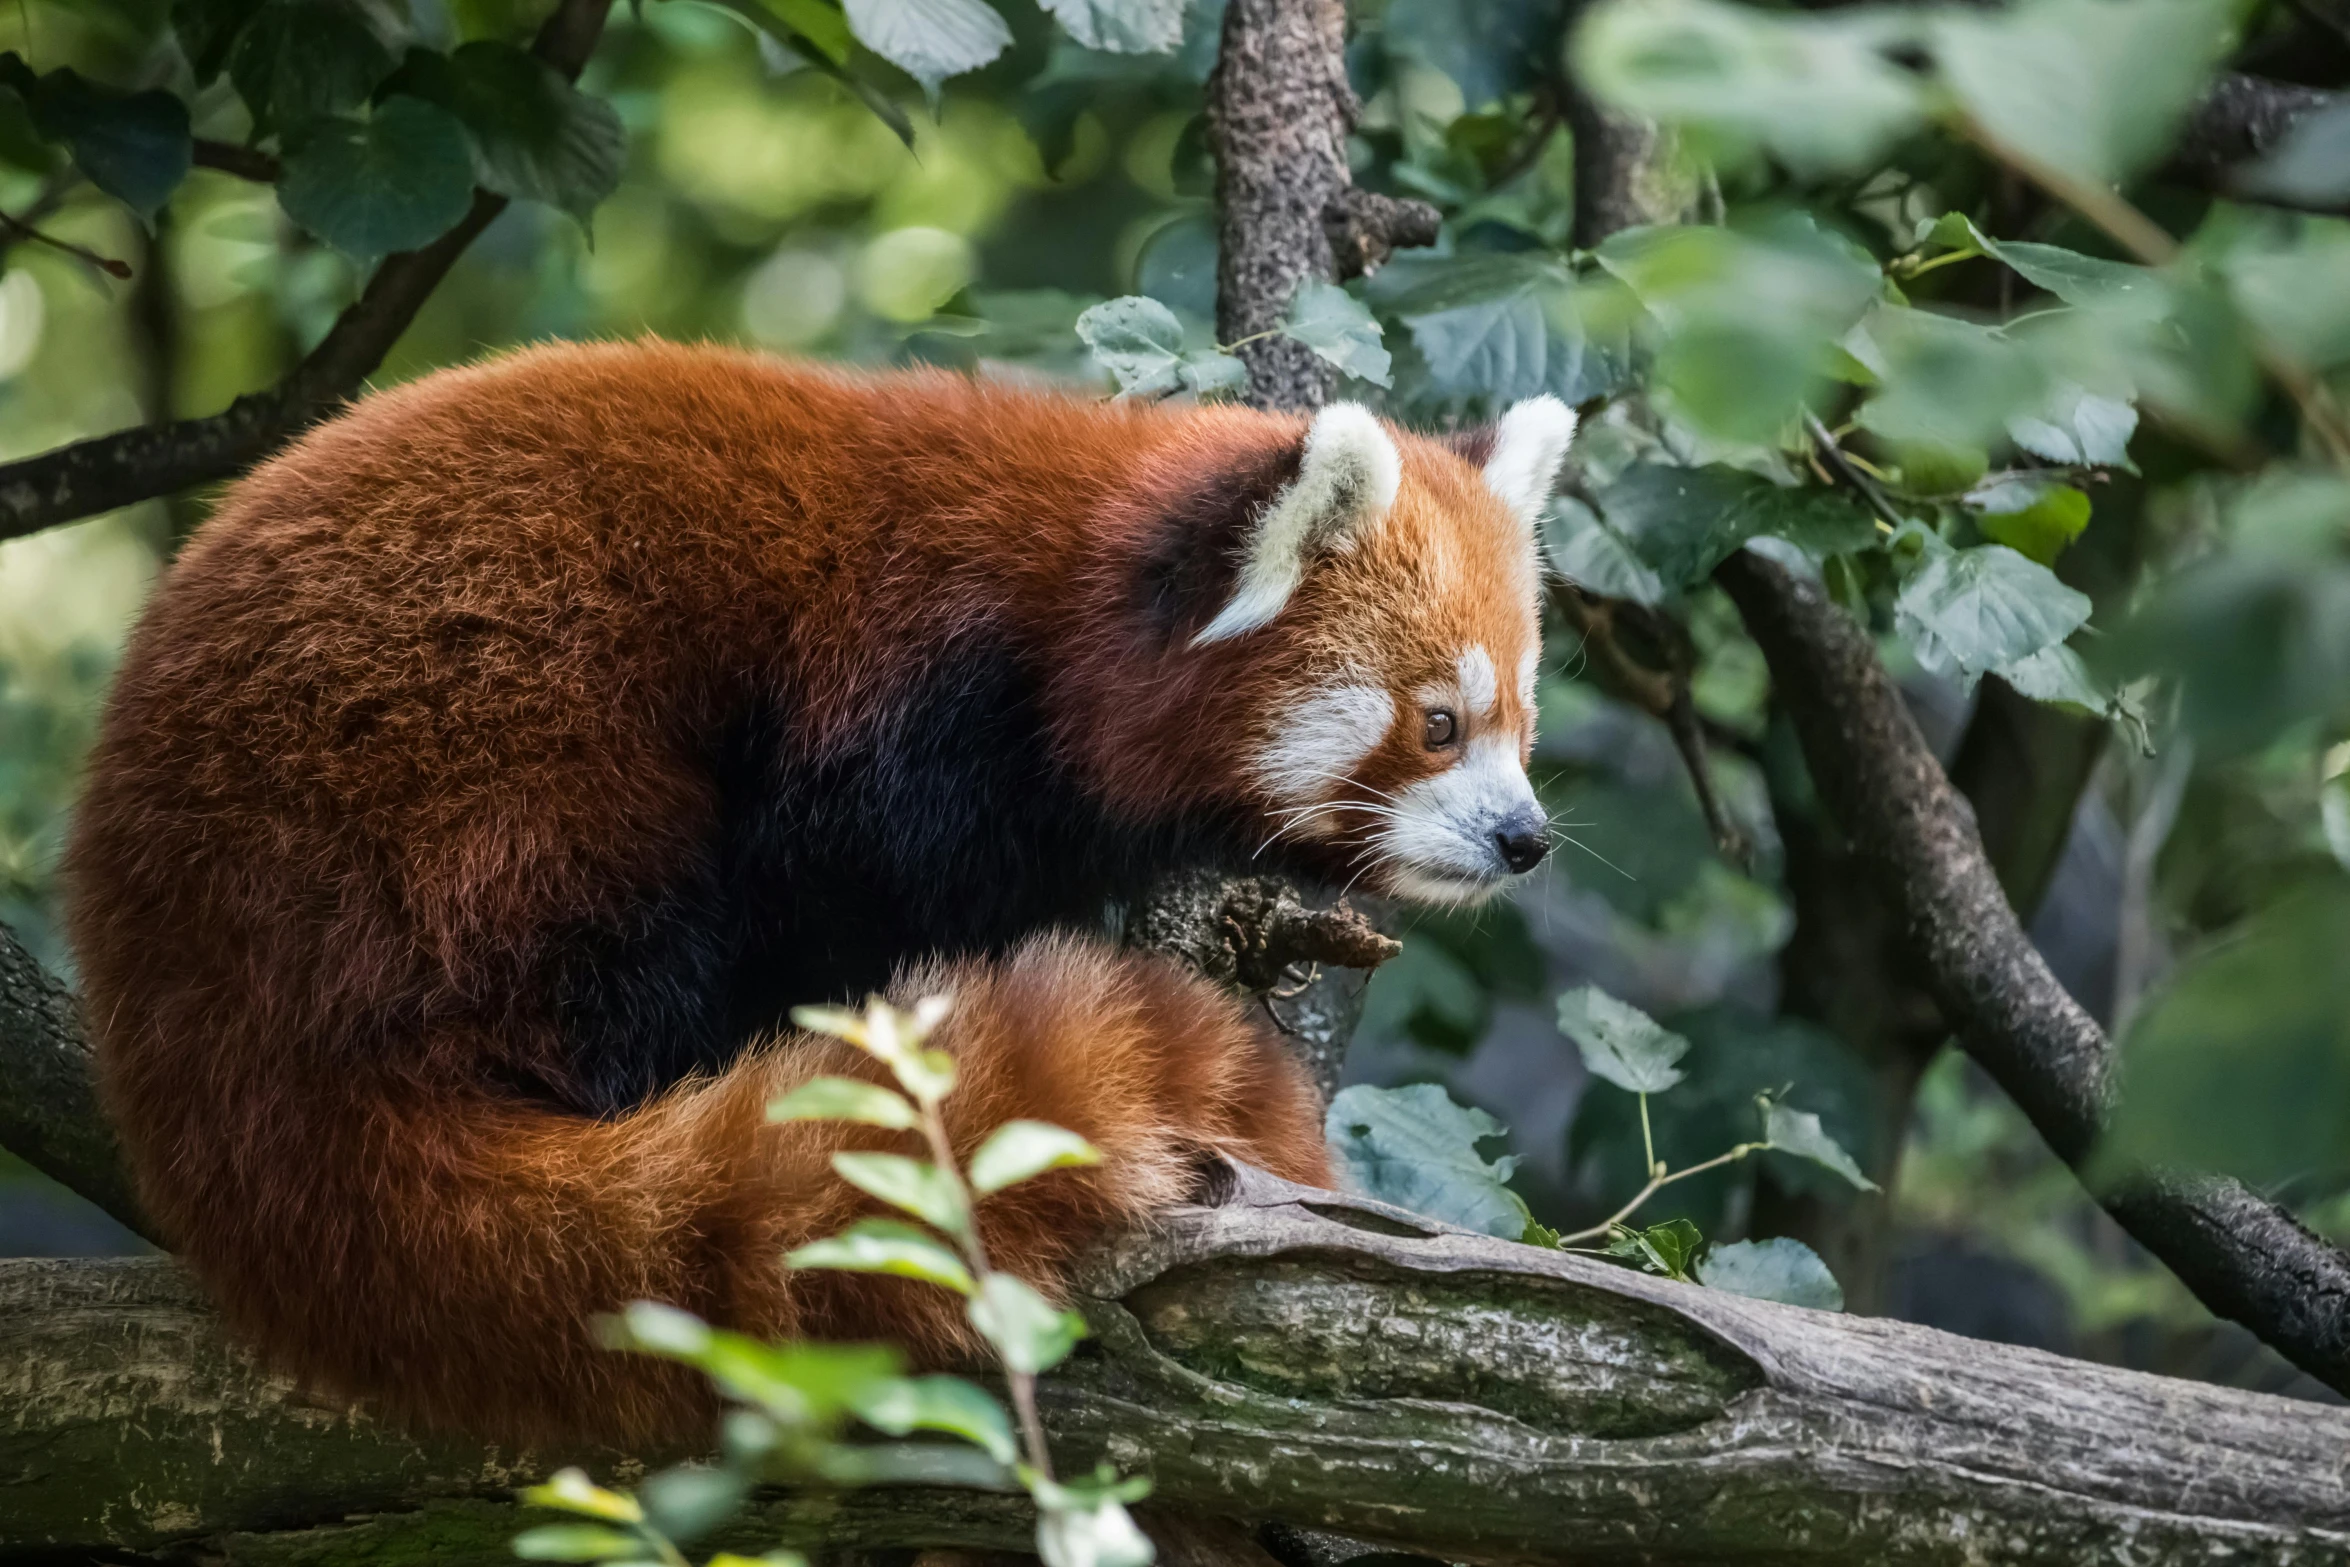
column 246, row 163
column 135, row 465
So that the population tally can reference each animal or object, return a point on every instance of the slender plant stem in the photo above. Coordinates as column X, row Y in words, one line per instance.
column 1022, row 1384
column 1657, row 1183
column 1647, row 1141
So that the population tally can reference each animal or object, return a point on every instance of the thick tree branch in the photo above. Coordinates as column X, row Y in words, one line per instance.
column 2245, row 1258
column 2241, row 119
column 49, row 1114
column 1289, row 1355
column 135, row 465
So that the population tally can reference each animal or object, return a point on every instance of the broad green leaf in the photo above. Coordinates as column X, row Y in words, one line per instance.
column 818, row 33
column 133, row 146
column 2288, row 275
column 690, row 1500
column 820, row 23
column 664, row 1330
column 1028, row 1331
column 1683, row 522
column 885, row 1246
column 1121, row 26
column 536, row 137
column 797, row 1384
column 919, row 1187
column 205, row 30
column 2070, row 276
column 2056, row 674
column 1493, row 329
column 1415, row 1148
column 578, row 1542
column 1620, row 1042
column 1101, row 1534
column 396, row 181
column 2093, row 88
column 1595, row 557
column 844, row 1099
column 1338, row 328
column 2032, row 515
column 1946, row 381
column 1139, row 341
column 1818, row 93
column 2241, row 1062
column 1017, row 1150
column 1798, row 1132
column 930, row 40
column 941, row 1403
column 1974, row 610
column 2076, row 426
column 1666, row 1248
column 571, row 1491
column 300, row 60
column 1779, row 1269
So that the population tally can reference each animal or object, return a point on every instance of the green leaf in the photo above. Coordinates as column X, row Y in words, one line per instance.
column 394, row 182
column 299, row 60
column 1945, row 381
column 1686, row 521
column 1619, row 1042
column 536, row 137
column 2056, row 674
column 820, row 23
column 2241, row 1062
column 663, row 1330
column 206, row 29
column 1028, row 1331
column 1493, row 329
column 1666, row 1248
column 885, row 1246
column 1121, row 26
column 690, row 1500
column 2310, row 168
column 1490, row 48
column 571, row 1491
column 919, row 1187
column 1415, row 1148
column 2091, row 87
column 940, row 1403
column 2034, row 516
column 577, row 1542
column 930, row 40
column 799, row 1385
column 1339, row 328
column 1798, row 1132
column 1138, row 341
column 824, row 43
column 1595, row 557
column 133, row 146
column 844, row 1099
column 1017, row 1150
column 2076, row 426
column 1817, row 93
column 1975, row 610
column 1780, row 1269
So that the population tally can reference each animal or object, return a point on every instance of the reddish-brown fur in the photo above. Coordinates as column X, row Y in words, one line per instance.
column 429, row 681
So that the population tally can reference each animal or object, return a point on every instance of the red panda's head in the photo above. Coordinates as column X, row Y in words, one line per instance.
column 1386, row 602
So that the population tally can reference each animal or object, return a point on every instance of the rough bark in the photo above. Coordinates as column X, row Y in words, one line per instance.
column 2240, row 119
column 2243, row 1257
column 49, row 1114
column 1279, row 109
column 1289, row 1354
column 135, row 465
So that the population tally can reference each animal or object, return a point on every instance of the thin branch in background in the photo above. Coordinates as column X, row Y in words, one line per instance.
column 1841, row 463
column 246, row 163
column 19, row 230
column 135, row 465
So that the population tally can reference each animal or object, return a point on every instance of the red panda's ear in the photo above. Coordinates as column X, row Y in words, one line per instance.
column 1347, row 473
column 1523, row 455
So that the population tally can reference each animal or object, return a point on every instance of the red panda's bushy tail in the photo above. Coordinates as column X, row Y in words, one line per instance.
column 443, row 1256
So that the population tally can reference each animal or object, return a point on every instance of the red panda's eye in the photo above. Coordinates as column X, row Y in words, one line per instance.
column 1441, row 728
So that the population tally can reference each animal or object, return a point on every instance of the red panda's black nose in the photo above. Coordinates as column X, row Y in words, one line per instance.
column 1522, row 846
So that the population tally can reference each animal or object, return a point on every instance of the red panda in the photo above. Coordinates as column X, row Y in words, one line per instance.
column 496, row 768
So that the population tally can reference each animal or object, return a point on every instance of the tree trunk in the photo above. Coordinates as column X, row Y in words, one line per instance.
column 1288, row 1355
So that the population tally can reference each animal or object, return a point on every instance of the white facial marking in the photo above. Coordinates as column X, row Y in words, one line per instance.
column 1319, row 741
column 1528, row 666
column 1346, row 481
column 1439, row 843
column 1478, row 690
column 1527, row 451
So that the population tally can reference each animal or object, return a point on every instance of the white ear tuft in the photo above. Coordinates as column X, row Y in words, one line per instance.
column 1346, row 480
column 1527, row 451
